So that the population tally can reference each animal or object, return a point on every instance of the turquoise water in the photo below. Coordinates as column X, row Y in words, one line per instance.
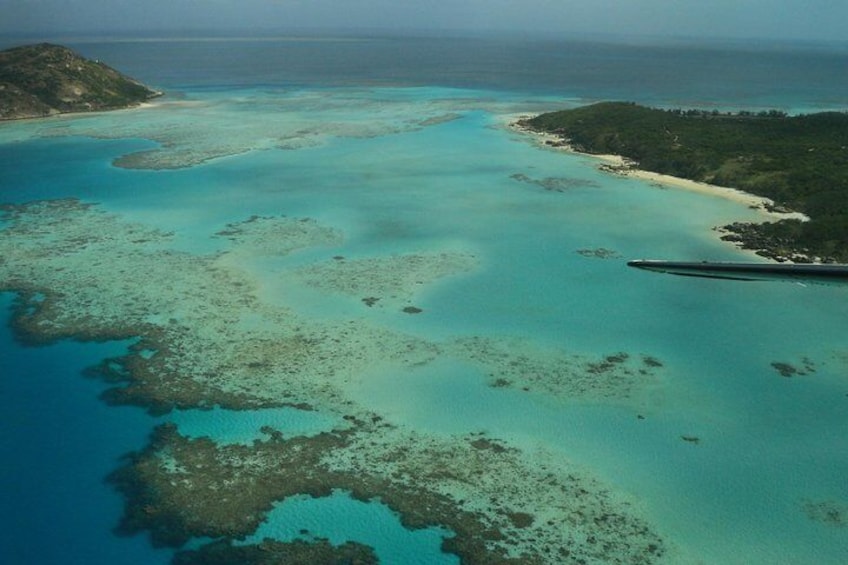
column 366, row 161
column 339, row 518
column 228, row 426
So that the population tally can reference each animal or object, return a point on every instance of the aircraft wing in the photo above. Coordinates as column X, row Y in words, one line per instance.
column 799, row 272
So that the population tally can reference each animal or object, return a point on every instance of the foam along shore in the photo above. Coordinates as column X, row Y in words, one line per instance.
column 616, row 164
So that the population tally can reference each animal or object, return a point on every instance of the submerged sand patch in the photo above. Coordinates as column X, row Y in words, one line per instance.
column 381, row 281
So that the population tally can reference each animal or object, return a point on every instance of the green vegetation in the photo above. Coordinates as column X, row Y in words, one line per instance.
column 41, row 80
column 800, row 162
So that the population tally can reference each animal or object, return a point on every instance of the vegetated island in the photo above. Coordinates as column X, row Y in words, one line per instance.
column 44, row 80
column 799, row 162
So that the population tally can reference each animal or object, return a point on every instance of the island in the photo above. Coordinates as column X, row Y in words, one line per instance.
column 798, row 162
column 45, row 79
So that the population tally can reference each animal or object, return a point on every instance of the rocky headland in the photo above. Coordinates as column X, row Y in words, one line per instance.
column 44, row 80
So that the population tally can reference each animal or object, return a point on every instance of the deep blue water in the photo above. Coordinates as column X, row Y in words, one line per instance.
column 691, row 75
column 58, row 440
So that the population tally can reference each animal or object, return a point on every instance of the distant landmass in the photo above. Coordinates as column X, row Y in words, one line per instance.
column 799, row 162
column 45, row 79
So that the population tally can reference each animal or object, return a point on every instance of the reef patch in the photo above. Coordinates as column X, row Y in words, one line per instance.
column 555, row 184
column 277, row 236
column 788, row 370
column 272, row 552
column 827, row 512
column 599, row 253
column 180, row 488
column 393, row 280
column 517, row 363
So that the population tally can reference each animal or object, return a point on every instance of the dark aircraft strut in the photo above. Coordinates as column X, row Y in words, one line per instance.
column 799, row 272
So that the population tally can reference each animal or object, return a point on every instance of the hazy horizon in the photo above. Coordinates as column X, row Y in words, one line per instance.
column 8, row 40
column 767, row 20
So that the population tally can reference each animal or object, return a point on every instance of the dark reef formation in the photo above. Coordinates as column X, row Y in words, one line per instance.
column 180, row 488
column 271, row 552
column 555, row 184
column 599, row 253
column 44, row 79
column 829, row 512
column 790, row 370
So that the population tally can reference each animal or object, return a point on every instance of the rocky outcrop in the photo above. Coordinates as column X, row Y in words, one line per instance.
column 44, row 79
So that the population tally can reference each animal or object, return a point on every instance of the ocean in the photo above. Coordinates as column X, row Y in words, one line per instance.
column 361, row 206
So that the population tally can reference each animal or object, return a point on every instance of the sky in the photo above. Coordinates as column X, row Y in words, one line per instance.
column 742, row 19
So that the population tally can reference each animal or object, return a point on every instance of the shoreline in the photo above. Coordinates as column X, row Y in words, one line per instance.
column 765, row 206
column 74, row 113
column 621, row 166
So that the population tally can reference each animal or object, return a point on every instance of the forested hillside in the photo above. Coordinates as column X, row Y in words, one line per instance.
column 800, row 162
column 44, row 79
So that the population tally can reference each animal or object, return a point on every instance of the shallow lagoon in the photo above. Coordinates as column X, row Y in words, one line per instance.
column 722, row 455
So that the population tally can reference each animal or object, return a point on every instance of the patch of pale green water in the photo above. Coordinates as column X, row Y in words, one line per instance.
column 340, row 518
column 245, row 426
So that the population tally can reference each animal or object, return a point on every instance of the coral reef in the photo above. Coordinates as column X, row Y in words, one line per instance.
column 828, row 512
column 789, row 370
column 555, row 184
column 180, row 488
column 271, row 552
column 599, row 253
column 391, row 280
column 517, row 363
column 204, row 337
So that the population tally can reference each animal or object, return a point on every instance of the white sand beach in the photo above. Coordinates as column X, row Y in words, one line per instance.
column 616, row 164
